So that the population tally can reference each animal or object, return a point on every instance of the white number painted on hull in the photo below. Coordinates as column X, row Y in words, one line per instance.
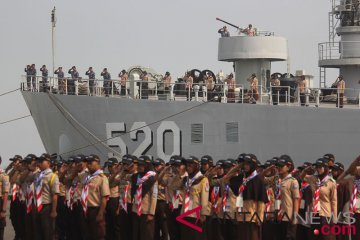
column 113, row 129
column 168, row 126
column 137, row 128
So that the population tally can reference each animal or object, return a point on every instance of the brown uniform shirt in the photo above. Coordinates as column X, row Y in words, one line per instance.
column 80, row 181
column 124, row 181
column 114, row 183
column 123, row 79
column 4, row 184
column 250, row 207
column 167, row 81
column 98, row 188
column 302, row 85
column 174, row 184
column 199, row 195
column 230, row 207
column 148, row 202
column 328, row 196
column 341, row 86
column 50, row 186
column 289, row 191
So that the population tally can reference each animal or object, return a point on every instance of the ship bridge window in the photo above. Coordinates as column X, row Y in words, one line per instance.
column 232, row 132
column 197, row 133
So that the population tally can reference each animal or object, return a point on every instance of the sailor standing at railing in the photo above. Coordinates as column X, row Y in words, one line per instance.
column 71, row 82
column 107, row 81
column 254, row 85
column 302, row 88
column 44, row 74
column 249, row 31
column 33, row 76
column 91, row 75
column 123, row 75
column 167, row 82
column 28, row 76
column 144, row 85
column 188, row 85
column 275, row 83
column 340, row 91
column 231, row 88
column 61, row 84
column 209, row 81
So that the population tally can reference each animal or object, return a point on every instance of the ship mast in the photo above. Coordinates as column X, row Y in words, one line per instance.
column 53, row 24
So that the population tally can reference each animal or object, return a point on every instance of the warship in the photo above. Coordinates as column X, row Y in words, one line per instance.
column 200, row 121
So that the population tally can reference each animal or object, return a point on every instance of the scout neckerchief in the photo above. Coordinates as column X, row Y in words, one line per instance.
column 304, row 185
column 242, row 189
column 139, row 190
column 315, row 205
column 224, row 197
column 354, row 192
column 14, row 192
column 29, row 197
column 85, row 190
column 38, row 188
column 215, row 193
column 268, row 204
column 73, row 189
column 174, row 204
column 123, row 199
column 188, row 185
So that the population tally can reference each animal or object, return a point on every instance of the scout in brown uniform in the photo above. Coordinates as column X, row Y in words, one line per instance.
column 47, row 190
column 302, row 88
column 231, row 88
column 26, row 182
column 144, row 85
column 275, row 89
column 270, row 177
column 196, row 188
column 123, row 79
column 324, row 202
column 340, row 86
column 229, row 189
column 174, row 195
column 288, row 194
column 62, row 229
column 4, row 191
column 351, row 178
column 251, row 202
column 95, row 193
column 111, row 216
column 303, row 229
column 167, row 82
column 144, row 196
column 161, row 227
column 254, row 86
column 130, row 165
column 16, row 206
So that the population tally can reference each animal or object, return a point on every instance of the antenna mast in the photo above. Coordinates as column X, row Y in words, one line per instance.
column 53, row 25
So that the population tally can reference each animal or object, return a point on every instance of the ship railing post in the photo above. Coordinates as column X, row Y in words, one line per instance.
column 204, row 88
column 278, row 97
column 286, row 97
column 189, row 92
column 225, row 89
column 140, row 97
column 76, row 87
column 358, row 99
column 317, row 98
column 172, row 92
column 242, row 95
column 338, row 99
column 298, row 97
column 196, row 88
column 261, row 93
column 156, row 89
column 112, row 88
column 271, row 99
column 66, row 88
column 289, row 95
column 88, row 87
column 307, row 94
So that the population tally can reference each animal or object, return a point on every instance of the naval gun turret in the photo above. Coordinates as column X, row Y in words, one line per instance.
column 252, row 54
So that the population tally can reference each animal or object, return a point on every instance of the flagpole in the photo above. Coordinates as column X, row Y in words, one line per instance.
column 53, row 24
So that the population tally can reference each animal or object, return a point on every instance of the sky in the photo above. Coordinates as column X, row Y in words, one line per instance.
column 166, row 35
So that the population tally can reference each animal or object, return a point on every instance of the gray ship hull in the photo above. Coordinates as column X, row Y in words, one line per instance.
column 74, row 124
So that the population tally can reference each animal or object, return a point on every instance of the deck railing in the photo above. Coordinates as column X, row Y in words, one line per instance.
column 181, row 91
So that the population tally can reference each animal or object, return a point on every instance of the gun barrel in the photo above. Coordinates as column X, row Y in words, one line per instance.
column 227, row 23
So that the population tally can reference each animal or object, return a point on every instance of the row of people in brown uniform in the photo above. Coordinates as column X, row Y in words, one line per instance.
column 139, row 198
